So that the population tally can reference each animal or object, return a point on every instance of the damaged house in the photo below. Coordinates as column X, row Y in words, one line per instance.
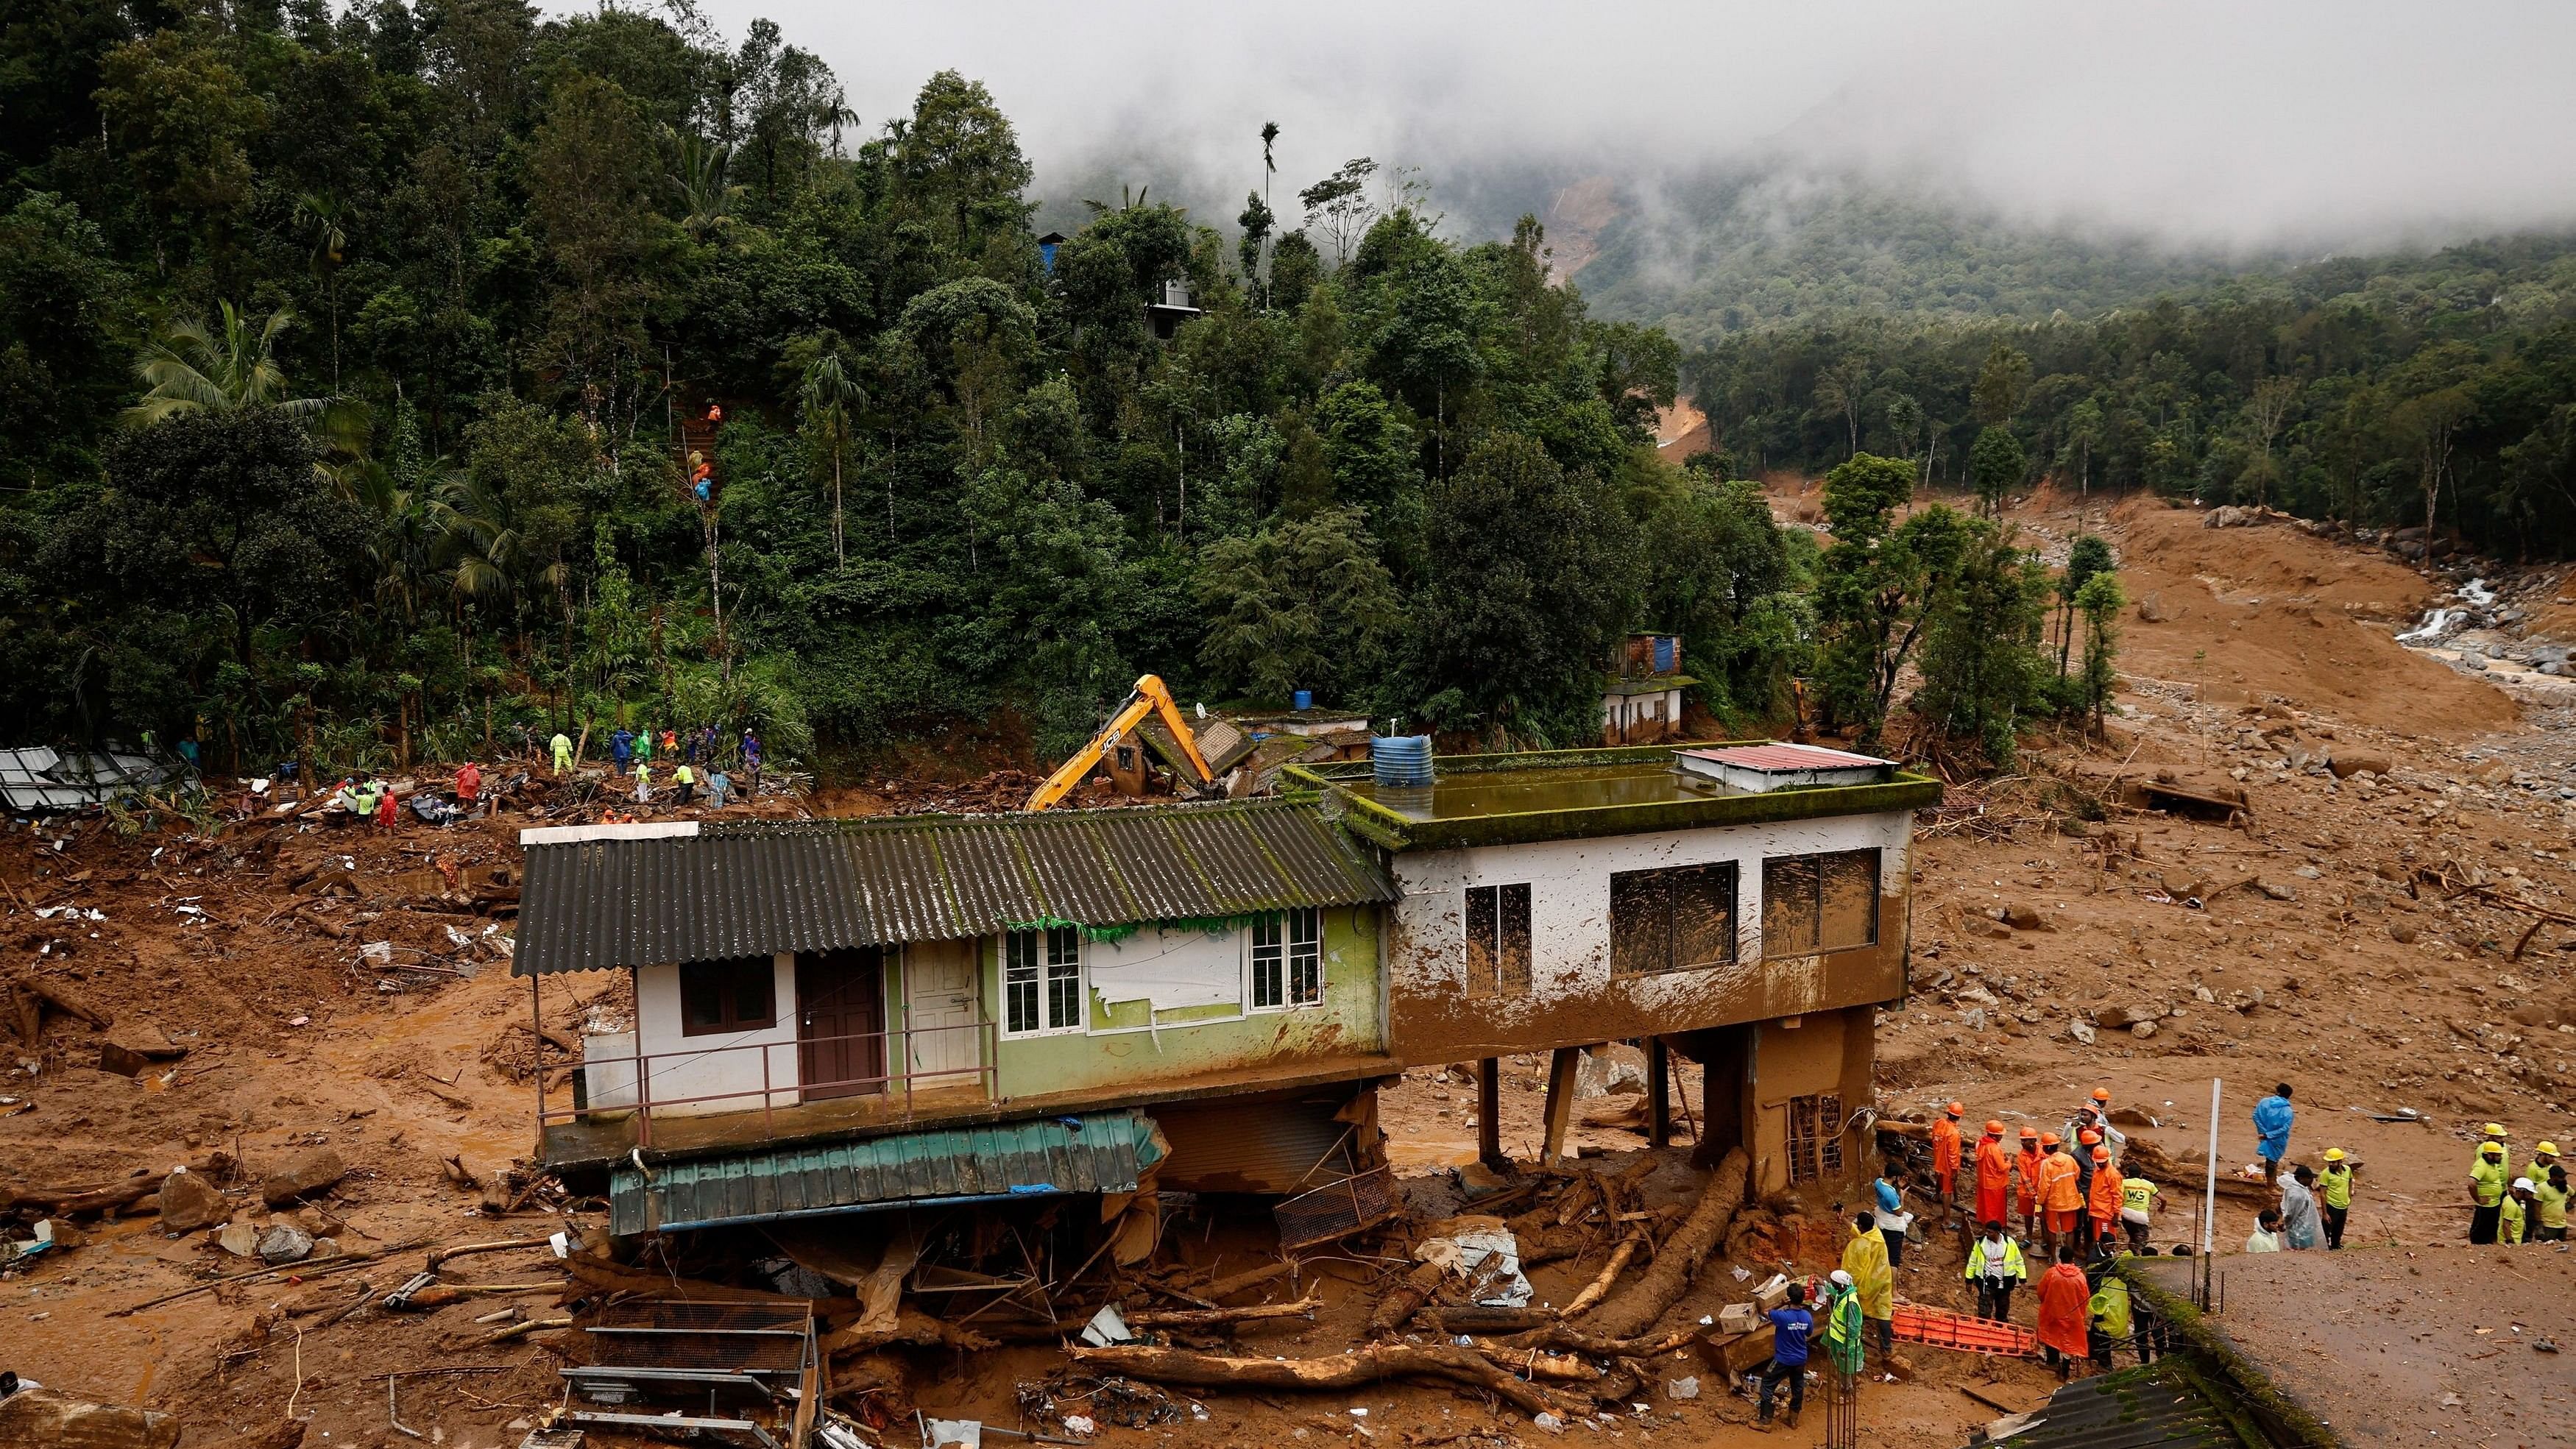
column 835, row 1016
column 840, row 1016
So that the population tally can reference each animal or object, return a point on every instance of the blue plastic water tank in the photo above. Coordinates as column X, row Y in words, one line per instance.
column 1303, row 699
column 1400, row 759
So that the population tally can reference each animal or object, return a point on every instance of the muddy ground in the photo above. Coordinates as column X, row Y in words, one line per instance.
column 2352, row 932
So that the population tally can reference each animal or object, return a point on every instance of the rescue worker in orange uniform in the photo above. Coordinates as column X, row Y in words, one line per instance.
column 2061, row 1199
column 1945, row 1155
column 2104, row 1198
column 2065, row 1313
column 1994, row 1174
column 2085, row 1142
column 2034, row 1150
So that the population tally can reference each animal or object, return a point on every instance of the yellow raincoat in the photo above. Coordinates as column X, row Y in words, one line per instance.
column 1865, row 1259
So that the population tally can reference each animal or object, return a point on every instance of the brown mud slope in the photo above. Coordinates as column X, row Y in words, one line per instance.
column 2268, row 611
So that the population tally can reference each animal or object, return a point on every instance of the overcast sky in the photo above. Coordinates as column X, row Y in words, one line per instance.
column 2233, row 123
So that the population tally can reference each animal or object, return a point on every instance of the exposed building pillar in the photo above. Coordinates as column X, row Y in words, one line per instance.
column 1560, row 1102
column 1659, row 1094
column 1489, row 1113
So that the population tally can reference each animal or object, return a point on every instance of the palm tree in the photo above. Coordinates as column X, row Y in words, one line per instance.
column 826, row 397
column 192, row 368
column 705, row 196
column 326, row 217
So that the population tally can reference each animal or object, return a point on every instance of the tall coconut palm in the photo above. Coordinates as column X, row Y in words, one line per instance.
column 826, row 396
column 326, row 219
column 194, row 368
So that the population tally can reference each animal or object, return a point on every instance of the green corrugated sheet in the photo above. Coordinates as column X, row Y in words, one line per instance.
column 1102, row 1152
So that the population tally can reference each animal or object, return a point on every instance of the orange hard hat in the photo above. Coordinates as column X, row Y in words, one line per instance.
column 1958, row 1109
column 2101, row 1094
column 2088, row 1136
column 2101, row 1154
column 2031, row 1134
column 1994, row 1128
column 2048, row 1139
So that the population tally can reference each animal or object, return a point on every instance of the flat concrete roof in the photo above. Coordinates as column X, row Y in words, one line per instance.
column 1578, row 794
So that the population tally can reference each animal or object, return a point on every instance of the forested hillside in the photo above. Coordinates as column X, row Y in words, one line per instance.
column 2382, row 391
column 359, row 368
column 1710, row 253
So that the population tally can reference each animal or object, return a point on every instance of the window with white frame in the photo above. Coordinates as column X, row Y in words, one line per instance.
column 1042, row 981
column 1288, row 959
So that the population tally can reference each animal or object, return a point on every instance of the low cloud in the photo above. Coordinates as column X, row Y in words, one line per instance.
column 2307, row 125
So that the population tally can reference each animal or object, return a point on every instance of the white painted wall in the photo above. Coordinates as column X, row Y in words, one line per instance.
column 681, row 1066
column 1618, row 711
column 1570, row 901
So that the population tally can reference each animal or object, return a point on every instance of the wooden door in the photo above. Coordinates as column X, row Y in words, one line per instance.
column 840, row 1022
column 940, row 984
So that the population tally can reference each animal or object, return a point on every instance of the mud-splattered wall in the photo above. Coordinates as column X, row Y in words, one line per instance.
column 1573, row 998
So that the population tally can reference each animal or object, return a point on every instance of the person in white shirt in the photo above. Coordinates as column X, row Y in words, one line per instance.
column 2266, row 1237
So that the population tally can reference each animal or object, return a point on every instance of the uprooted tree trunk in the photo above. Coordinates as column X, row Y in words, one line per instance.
column 1341, row 1371
column 1635, row 1310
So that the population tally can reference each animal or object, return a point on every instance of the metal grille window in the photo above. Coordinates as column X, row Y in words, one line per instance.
column 1288, row 959
column 1042, row 981
column 1816, row 903
column 1815, row 1137
column 1671, row 920
column 1498, row 940
column 722, row 996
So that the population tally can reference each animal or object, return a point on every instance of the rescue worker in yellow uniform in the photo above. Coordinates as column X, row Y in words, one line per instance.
column 2487, row 1183
column 2334, row 1195
column 2514, row 1213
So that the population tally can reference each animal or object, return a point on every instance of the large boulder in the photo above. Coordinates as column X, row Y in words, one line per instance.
column 313, row 1173
column 190, row 1203
column 43, row 1419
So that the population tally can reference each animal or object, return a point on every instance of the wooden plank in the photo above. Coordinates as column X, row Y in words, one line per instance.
column 1560, row 1102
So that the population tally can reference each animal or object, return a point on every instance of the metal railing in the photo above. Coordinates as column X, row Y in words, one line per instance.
column 894, row 1076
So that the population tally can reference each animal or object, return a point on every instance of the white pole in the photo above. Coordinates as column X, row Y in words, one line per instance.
column 2209, row 1204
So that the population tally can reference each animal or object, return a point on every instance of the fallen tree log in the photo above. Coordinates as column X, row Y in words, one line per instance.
column 1224, row 1288
column 73, row 1201
column 1406, row 1298
column 1219, row 1317
column 1635, row 1310
column 1342, row 1371
column 1599, row 1288
column 1475, row 1319
column 1573, row 1340
column 1533, row 1364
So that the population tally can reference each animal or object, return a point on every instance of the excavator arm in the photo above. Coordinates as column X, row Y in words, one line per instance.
column 1148, row 697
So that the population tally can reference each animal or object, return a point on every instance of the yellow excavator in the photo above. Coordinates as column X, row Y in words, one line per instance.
column 1148, row 697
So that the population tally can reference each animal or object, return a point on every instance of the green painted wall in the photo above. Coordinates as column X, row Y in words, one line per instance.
column 1347, row 1024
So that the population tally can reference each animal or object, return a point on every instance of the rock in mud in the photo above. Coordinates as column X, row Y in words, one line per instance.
column 189, row 1203
column 285, row 1243
column 308, row 1175
column 2348, row 763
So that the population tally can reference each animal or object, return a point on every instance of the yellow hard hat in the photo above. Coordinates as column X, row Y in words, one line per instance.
column 2334, row 1154
column 2495, row 1129
column 2547, row 1148
column 2495, row 1147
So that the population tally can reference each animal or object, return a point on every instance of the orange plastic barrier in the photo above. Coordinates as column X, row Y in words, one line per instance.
column 1948, row 1328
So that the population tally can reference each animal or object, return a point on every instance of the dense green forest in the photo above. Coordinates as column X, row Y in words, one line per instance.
column 1756, row 245
column 386, row 383
column 2384, row 392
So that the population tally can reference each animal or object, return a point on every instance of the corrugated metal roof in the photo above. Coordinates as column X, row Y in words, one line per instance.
column 40, row 780
column 2163, row 1404
column 752, row 889
column 1104, row 1152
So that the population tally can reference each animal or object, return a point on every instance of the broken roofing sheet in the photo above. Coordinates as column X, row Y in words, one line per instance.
column 39, row 780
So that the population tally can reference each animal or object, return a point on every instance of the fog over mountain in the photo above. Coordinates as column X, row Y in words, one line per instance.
column 2312, row 126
